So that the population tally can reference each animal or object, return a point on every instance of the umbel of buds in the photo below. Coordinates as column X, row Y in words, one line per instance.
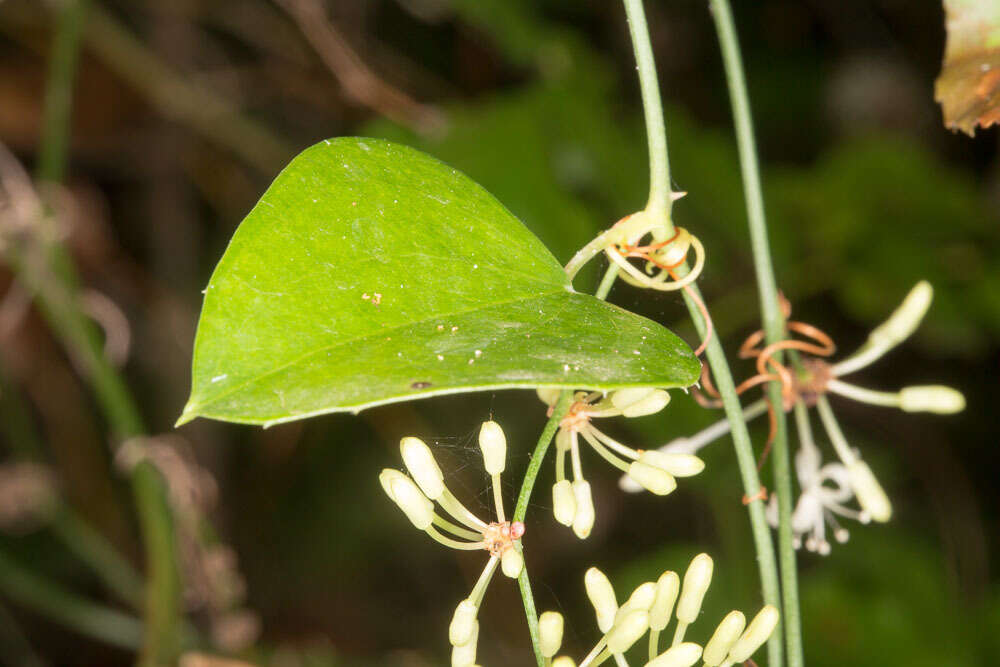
column 650, row 608
column 572, row 503
column 459, row 528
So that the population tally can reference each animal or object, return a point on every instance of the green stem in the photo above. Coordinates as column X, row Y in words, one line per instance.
column 772, row 316
column 46, row 268
column 656, row 129
column 37, row 593
column 521, row 509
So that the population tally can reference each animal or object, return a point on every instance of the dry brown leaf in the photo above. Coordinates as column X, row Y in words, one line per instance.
column 968, row 88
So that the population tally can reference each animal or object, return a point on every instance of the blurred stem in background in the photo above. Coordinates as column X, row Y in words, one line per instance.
column 773, row 319
column 659, row 206
column 46, row 269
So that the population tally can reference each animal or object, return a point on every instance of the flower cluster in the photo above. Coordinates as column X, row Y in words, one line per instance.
column 826, row 490
column 650, row 608
column 654, row 471
column 416, row 497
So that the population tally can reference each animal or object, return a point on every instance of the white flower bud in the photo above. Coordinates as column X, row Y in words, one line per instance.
column 725, row 636
column 550, row 632
column 905, row 319
column 640, row 401
column 641, row 600
column 465, row 655
column 869, row 492
column 563, row 502
column 682, row 655
column 602, row 595
column 420, row 462
column 651, row 478
column 494, row 445
column 931, row 398
column 583, row 520
column 401, row 489
column 564, row 440
column 667, row 587
column 512, row 562
column 678, row 465
column 548, row 395
column 463, row 622
column 563, row 661
column 627, row 631
column 758, row 632
column 696, row 582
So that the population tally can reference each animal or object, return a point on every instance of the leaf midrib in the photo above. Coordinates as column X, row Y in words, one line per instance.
column 326, row 348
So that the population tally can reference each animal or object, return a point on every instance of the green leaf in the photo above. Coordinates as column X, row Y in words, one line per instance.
column 370, row 273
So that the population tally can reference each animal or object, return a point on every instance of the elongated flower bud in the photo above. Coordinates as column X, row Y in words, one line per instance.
column 550, row 632
column 653, row 479
column 696, row 582
column 682, row 655
column 583, row 520
column 463, row 623
column 641, row 600
column 401, row 489
column 869, row 492
column 667, row 587
column 758, row 632
column 512, row 562
column 563, row 661
column 563, row 502
column 420, row 462
column 602, row 595
column 678, row 465
column 494, row 445
column 564, row 440
column 627, row 631
column 931, row 398
column 905, row 319
column 548, row 395
column 639, row 402
column 725, row 637
column 465, row 655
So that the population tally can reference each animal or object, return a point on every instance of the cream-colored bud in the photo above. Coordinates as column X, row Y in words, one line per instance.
column 653, row 479
column 725, row 637
column 667, row 587
column 682, row 655
column 563, row 661
column 640, row 401
column 905, row 319
column 696, row 582
column 548, row 395
column 386, row 477
column 550, row 632
column 602, row 595
column 627, row 631
column 758, row 632
column 931, row 398
column 869, row 492
column 583, row 519
column 678, row 465
column 512, row 562
column 465, row 655
column 563, row 502
column 463, row 622
column 641, row 600
column 494, row 445
column 418, row 509
column 564, row 440
column 420, row 462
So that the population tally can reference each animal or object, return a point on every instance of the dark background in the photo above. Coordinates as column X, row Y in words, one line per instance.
column 538, row 101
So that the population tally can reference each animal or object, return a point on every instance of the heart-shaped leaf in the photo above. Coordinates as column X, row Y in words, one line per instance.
column 371, row 273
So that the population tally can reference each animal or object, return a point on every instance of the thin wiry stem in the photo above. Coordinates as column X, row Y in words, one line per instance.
column 716, row 356
column 774, row 325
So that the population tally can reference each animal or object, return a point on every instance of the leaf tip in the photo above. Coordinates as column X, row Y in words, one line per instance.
column 189, row 414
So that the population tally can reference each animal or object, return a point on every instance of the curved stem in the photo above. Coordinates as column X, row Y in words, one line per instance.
column 766, row 561
column 774, row 327
column 521, row 509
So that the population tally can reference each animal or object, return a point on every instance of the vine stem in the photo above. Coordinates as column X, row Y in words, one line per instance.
column 521, row 509
column 47, row 270
column 659, row 205
column 771, row 314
